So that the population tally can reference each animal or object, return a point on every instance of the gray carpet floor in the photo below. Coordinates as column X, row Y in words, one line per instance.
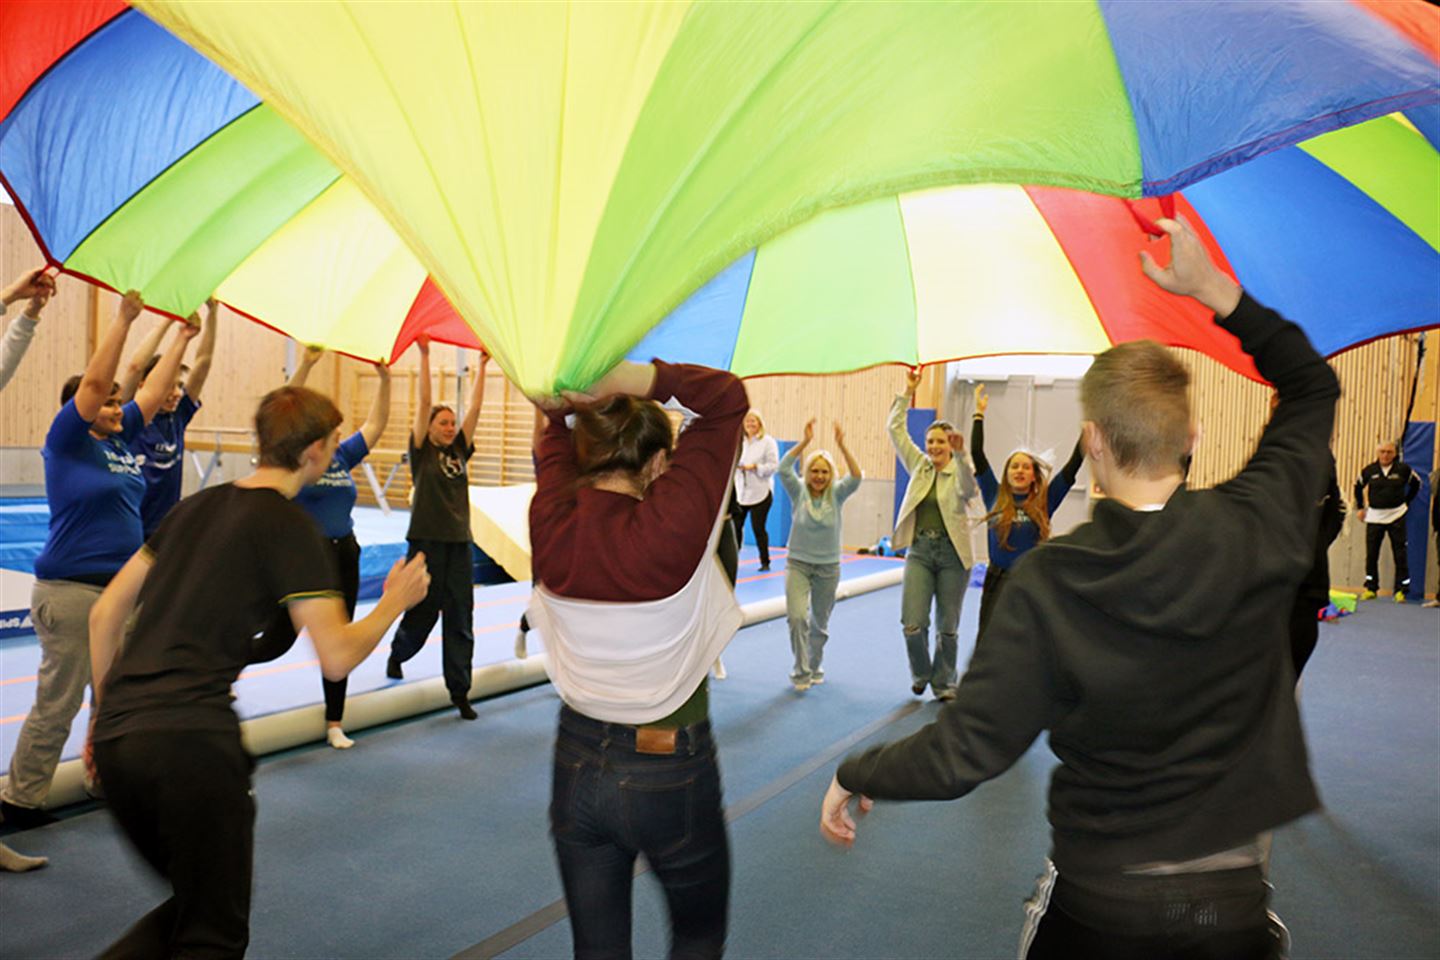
column 430, row 836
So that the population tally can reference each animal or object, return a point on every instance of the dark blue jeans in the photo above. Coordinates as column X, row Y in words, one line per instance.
column 609, row 804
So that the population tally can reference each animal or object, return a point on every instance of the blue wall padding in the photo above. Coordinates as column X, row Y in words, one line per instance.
column 1418, row 450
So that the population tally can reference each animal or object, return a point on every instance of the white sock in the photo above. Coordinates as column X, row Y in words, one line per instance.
column 338, row 740
column 520, row 652
column 18, row 862
column 720, row 673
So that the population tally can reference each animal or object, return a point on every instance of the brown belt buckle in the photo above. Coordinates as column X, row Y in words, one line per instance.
column 657, row 740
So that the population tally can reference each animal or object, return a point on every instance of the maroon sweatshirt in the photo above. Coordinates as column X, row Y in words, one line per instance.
column 591, row 544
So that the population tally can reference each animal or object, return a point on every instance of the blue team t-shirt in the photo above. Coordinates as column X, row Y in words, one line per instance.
column 94, row 488
column 160, row 451
column 331, row 499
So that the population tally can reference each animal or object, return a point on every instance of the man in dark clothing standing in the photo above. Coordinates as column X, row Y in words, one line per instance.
column 1382, row 497
column 1151, row 643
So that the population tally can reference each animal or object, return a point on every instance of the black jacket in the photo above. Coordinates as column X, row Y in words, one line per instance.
column 1385, row 492
column 1316, row 587
column 1154, row 648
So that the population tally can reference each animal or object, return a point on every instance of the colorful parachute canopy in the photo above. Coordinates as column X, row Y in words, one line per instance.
column 139, row 164
column 1341, row 233
column 573, row 169
column 569, row 172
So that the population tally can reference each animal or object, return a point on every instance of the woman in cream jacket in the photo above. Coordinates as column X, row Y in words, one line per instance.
column 933, row 526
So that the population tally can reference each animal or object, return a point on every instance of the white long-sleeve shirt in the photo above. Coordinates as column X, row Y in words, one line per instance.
column 752, row 486
column 16, row 341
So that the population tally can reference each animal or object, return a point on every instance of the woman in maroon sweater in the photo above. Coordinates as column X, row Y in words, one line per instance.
column 623, row 529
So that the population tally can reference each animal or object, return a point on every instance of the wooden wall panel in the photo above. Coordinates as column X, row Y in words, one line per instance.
column 59, row 349
column 858, row 401
column 1375, row 383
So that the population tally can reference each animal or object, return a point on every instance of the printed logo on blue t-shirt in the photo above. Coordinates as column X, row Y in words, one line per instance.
column 336, row 476
column 161, row 455
column 122, row 462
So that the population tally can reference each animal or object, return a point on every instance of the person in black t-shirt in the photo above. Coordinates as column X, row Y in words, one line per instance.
column 164, row 739
column 440, row 451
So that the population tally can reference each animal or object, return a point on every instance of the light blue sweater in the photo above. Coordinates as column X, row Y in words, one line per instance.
column 814, row 521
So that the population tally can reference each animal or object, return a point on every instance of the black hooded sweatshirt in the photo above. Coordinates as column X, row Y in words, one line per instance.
column 1154, row 648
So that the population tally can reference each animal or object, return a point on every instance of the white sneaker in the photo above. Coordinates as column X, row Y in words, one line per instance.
column 521, row 652
column 337, row 739
column 800, row 685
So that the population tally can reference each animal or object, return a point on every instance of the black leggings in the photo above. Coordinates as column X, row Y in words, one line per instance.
column 758, row 514
column 347, row 560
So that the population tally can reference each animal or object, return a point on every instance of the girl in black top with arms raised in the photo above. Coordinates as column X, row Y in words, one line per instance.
column 440, row 452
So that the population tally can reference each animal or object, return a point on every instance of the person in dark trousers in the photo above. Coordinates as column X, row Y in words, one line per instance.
column 1019, row 509
column 1151, row 644
column 440, row 451
column 635, row 600
column 330, row 501
column 1383, row 492
column 164, row 738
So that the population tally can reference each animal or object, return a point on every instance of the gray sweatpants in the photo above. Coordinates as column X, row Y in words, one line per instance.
column 60, row 610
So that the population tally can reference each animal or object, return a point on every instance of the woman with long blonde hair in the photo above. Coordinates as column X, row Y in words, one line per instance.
column 1020, row 508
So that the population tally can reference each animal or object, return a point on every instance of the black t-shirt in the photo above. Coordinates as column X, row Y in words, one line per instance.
column 225, row 562
column 442, row 491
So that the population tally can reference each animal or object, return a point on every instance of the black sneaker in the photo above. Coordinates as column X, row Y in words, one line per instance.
column 467, row 712
column 392, row 669
column 25, row 818
column 918, row 689
column 764, row 568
